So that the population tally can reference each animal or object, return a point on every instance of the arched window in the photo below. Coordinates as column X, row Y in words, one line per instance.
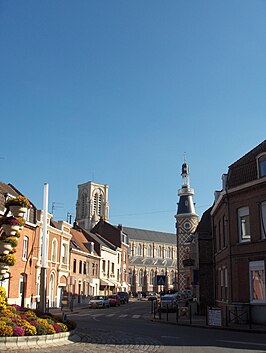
column 159, row 251
column 98, row 202
column 52, row 290
column 141, row 277
column 152, row 277
column 54, row 250
column 168, row 252
column 83, row 205
column 149, row 252
column 64, row 254
column 139, row 250
column 74, row 265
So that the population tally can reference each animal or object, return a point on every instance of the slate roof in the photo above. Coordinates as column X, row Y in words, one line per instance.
column 244, row 170
column 185, row 205
column 150, row 261
column 150, row 235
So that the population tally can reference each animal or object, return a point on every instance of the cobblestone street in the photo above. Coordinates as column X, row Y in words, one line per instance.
column 101, row 341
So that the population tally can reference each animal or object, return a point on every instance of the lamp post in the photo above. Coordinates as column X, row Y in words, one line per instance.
column 44, row 250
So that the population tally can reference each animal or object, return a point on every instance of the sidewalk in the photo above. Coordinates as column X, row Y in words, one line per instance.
column 200, row 321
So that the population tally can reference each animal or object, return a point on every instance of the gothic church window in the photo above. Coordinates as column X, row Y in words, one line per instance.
column 83, row 204
column 149, row 253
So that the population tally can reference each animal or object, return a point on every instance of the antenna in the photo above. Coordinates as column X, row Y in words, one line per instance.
column 69, row 217
column 56, row 205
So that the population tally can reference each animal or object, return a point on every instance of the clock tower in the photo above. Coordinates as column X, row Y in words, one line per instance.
column 186, row 224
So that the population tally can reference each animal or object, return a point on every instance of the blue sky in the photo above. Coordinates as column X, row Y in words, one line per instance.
column 116, row 92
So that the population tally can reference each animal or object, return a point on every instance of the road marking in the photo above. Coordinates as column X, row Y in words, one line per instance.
column 124, row 315
column 244, row 342
column 136, row 316
column 97, row 315
column 110, row 315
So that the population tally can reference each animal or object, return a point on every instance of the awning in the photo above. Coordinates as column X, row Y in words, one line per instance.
column 106, row 282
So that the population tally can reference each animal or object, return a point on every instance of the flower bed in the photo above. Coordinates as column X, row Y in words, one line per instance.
column 18, row 321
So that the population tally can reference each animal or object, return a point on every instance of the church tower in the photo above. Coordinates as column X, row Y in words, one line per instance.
column 186, row 224
column 92, row 204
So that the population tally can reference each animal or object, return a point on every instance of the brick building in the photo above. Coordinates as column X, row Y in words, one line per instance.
column 239, row 224
column 20, row 280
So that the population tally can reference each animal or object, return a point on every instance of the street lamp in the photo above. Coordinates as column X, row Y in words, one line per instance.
column 44, row 250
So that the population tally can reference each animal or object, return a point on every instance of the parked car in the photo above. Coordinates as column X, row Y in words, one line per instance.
column 99, row 301
column 152, row 295
column 114, row 300
column 169, row 301
column 187, row 293
column 124, row 297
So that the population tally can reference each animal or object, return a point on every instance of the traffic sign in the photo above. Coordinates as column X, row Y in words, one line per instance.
column 161, row 280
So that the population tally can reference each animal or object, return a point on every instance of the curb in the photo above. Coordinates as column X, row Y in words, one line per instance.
column 224, row 328
column 19, row 342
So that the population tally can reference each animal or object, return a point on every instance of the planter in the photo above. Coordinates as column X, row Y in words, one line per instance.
column 10, row 229
column 3, row 268
column 17, row 210
column 5, row 248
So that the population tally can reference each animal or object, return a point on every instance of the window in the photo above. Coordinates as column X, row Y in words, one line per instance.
column 168, row 252
column 74, row 265
column 159, row 251
column 262, row 165
column 243, row 224
column 152, row 277
column 22, row 284
column 25, row 248
column 224, row 231
column 98, row 202
column 140, row 277
column 83, row 205
column 80, row 267
column 64, row 254
column 54, row 247
column 257, row 281
column 112, row 268
column 149, row 252
column 104, row 266
column 263, row 219
column 84, row 268
column 139, row 250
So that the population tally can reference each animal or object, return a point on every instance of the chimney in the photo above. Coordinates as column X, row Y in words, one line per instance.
column 120, row 227
column 92, row 247
column 224, row 180
column 216, row 195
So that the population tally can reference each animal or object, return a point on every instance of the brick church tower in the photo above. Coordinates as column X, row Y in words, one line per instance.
column 186, row 224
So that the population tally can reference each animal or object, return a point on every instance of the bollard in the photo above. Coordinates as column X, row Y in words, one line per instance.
column 167, row 312
column 190, row 314
column 160, row 312
column 176, row 312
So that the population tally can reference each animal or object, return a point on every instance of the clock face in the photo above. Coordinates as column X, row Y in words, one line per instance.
column 187, row 225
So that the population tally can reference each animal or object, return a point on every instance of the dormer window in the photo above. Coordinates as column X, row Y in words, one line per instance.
column 262, row 165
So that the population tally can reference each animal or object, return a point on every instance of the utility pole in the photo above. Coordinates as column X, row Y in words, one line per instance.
column 44, row 250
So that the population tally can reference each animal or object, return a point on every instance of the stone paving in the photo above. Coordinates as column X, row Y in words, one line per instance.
column 99, row 341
